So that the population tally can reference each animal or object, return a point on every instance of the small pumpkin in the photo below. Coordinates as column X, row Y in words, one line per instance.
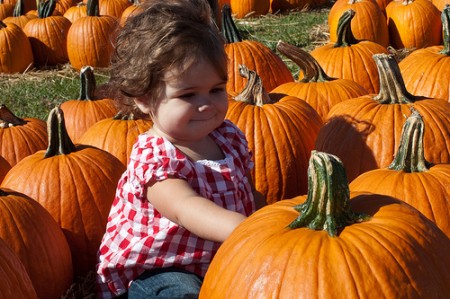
column 332, row 243
column 249, row 8
column 19, row 16
column 80, row 114
column 75, row 12
column 76, row 184
column 12, row 38
column 411, row 178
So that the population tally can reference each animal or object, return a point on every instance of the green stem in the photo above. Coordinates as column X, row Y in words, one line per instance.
column 45, row 8
column 392, row 86
column 345, row 37
column 92, row 8
column 7, row 118
column 87, row 83
column 229, row 28
column 18, row 9
column 254, row 92
column 59, row 142
column 410, row 155
column 445, row 17
column 311, row 69
column 327, row 206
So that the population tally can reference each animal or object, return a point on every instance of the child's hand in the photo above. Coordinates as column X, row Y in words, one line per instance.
column 176, row 200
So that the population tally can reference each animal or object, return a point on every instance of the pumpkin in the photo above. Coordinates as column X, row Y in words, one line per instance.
column 75, row 12
column 440, row 4
column 255, row 55
column 19, row 17
column 280, row 132
column 76, row 184
column 20, row 137
column 349, row 58
column 316, row 88
column 249, row 8
column 12, row 38
column 116, row 135
column 6, row 9
column 286, row 5
column 90, row 39
column 425, row 70
column 48, row 35
column 369, row 22
column 365, row 132
column 36, row 238
column 82, row 113
column 63, row 5
column 411, row 178
column 131, row 10
column 413, row 24
column 14, row 279
column 332, row 243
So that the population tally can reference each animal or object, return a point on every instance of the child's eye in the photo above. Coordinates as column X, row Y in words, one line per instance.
column 218, row 90
column 187, row 95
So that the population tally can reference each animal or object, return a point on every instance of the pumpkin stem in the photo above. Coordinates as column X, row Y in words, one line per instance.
column 445, row 17
column 345, row 37
column 311, row 69
column 253, row 92
column 229, row 28
column 327, row 205
column 92, row 8
column 124, row 116
column 45, row 8
column 59, row 142
column 87, row 83
column 410, row 155
column 392, row 86
column 3, row 193
column 9, row 119
column 2, row 25
column 18, row 9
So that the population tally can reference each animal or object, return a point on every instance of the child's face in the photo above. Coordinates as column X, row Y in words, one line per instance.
column 192, row 105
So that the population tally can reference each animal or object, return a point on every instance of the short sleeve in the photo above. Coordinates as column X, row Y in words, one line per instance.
column 155, row 159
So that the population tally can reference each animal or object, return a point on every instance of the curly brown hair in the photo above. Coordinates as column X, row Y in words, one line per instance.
column 166, row 34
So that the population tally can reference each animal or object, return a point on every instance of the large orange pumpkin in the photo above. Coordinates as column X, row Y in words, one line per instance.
column 48, row 35
column 255, row 55
column 90, row 39
column 76, row 184
column 369, row 22
column 332, row 244
column 249, row 8
column 365, row 132
column 16, row 55
column 281, row 133
column 425, row 71
column 411, row 178
column 413, row 24
column 36, row 238
column 20, row 137
column 14, row 280
column 116, row 135
column 80, row 114
column 316, row 88
column 349, row 58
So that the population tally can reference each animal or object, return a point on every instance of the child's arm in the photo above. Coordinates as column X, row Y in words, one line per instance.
column 176, row 200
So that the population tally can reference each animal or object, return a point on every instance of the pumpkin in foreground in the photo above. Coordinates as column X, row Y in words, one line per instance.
column 332, row 244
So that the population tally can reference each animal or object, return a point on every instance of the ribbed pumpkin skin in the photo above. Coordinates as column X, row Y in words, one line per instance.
column 116, row 136
column 90, row 41
column 258, row 57
column 428, row 191
column 48, row 38
column 76, row 12
column 16, row 54
column 414, row 25
column 384, row 257
column 322, row 95
column 14, row 280
column 80, row 115
column 21, row 141
column 281, row 137
column 113, row 8
column 242, row 8
column 425, row 72
column 369, row 22
column 365, row 134
column 77, row 189
column 38, row 241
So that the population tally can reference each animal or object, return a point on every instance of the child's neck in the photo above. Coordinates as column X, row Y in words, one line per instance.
column 206, row 149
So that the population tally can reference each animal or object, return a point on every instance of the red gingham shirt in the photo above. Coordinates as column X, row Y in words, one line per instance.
column 139, row 238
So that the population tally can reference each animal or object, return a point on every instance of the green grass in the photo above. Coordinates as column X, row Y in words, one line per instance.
column 36, row 92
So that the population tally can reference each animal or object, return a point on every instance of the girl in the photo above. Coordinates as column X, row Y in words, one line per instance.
column 187, row 185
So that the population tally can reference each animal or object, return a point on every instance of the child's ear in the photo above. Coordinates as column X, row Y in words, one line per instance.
column 143, row 104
